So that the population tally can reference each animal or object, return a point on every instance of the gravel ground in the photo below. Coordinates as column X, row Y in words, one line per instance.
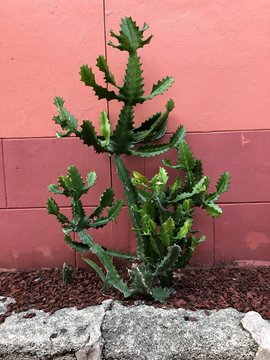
column 244, row 289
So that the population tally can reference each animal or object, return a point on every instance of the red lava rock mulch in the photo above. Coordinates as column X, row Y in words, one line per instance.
column 244, row 289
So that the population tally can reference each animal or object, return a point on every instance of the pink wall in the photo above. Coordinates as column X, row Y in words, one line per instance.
column 218, row 53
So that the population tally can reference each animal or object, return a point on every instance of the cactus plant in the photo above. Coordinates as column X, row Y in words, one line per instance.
column 66, row 274
column 125, row 138
column 161, row 215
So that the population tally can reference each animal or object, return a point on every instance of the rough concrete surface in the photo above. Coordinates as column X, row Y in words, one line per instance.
column 148, row 333
column 56, row 336
column 4, row 302
column 126, row 333
column 260, row 331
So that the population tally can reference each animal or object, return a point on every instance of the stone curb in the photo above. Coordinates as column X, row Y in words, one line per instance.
column 112, row 331
column 260, row 332
column 67, row 334
column 144, row 332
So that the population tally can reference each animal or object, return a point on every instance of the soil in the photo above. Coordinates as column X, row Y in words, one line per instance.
column 244, row 289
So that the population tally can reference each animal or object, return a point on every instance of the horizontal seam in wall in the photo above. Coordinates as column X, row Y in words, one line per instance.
column 38, row 138
column 243, row 203
column 126, row 207
column 43, row 207
column 168, row 133
column 223, row 131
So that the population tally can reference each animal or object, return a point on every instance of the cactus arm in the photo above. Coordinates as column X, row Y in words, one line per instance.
column 192, row 242
column 77, row 210
column 212, row 209
column 132, row 201
column 166, row 231
column 184, row 230
column 53, row 209
column 114, row 209
column 223, row 183
column 159, row 181
column 198, row 170
column 91, row 180
column 73, row 184
column 161, row 294
column 66, row 120
column 142, row 284
column 132, row 89
column 55, row 189
column 148, row 229
column 103, row 66
column 112, row 214
column 76, row 245
column 140, row 179
column 160, row 87
column 99, row 271
column 121, row 255
column 200, row 187
column 105, row 128
column 131, row 37
column 175, row 188
column 152, row 150
column 77, row 182
column 142, row 195
column 155, row 125
column 74, row 187
column 221, row 186
column 79, row 220
column 66, row 184
column 112, row 275
column 168, row 261
column 141, row 281
column 100, row 222
column 122, row 137
column 167, row 162
column 88, row 77
column 89, row 136
column 106, row 199
column 186, row 160
column 145, row 126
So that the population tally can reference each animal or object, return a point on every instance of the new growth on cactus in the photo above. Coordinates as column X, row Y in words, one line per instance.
column 166, row 218
column 162, row 216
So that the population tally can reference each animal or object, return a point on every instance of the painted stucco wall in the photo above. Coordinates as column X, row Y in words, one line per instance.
column 218, row 52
